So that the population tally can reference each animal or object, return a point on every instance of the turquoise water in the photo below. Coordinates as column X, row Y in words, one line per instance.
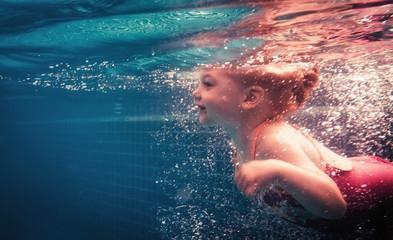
column 99, row 137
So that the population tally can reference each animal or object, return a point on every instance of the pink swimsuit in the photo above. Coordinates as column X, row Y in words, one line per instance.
column 367, row 190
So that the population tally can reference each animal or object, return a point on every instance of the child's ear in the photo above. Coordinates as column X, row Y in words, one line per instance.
column 253, row 96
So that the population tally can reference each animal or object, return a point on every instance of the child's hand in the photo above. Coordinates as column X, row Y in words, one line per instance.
column 255, row 175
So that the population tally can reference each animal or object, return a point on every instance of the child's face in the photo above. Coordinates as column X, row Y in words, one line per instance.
column 218, row 97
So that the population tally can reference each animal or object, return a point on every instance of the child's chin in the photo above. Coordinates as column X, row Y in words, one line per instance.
column 204, row 121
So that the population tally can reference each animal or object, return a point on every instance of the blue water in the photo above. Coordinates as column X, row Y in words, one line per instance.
column 98, row 135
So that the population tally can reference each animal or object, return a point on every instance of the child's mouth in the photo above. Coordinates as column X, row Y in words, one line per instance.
column 201, row 108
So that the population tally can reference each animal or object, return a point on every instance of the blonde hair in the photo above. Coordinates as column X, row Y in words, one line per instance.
column 289, row 86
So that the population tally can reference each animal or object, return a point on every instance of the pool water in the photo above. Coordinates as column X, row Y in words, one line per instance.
column 99, row 137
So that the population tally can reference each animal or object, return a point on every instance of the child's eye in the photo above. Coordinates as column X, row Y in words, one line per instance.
column 208, row 84
column 208, row 81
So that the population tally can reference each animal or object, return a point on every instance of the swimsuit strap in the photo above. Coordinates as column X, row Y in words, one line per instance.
column 254, row 146
column 254, row 143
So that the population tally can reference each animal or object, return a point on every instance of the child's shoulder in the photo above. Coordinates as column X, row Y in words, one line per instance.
column 277, row 132
column 282, row 139
column 277, row 138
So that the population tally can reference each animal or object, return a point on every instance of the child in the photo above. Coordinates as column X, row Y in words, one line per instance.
column 282, row 167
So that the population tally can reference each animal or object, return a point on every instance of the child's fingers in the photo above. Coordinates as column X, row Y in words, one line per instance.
column 240, row 181
column 236, row 176
column 251, row 190
column 247, row 187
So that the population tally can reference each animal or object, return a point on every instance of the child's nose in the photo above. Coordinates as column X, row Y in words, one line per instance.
column 196, row 93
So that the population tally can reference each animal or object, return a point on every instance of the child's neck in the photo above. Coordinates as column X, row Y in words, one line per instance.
column 244, row 133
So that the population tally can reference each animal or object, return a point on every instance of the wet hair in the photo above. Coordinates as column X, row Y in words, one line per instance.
column 289, row 86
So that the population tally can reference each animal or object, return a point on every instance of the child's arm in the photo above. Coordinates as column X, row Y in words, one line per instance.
column 317, row 193
column 288, row 167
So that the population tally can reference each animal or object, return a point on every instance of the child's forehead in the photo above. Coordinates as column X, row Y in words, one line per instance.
column 215, row 73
